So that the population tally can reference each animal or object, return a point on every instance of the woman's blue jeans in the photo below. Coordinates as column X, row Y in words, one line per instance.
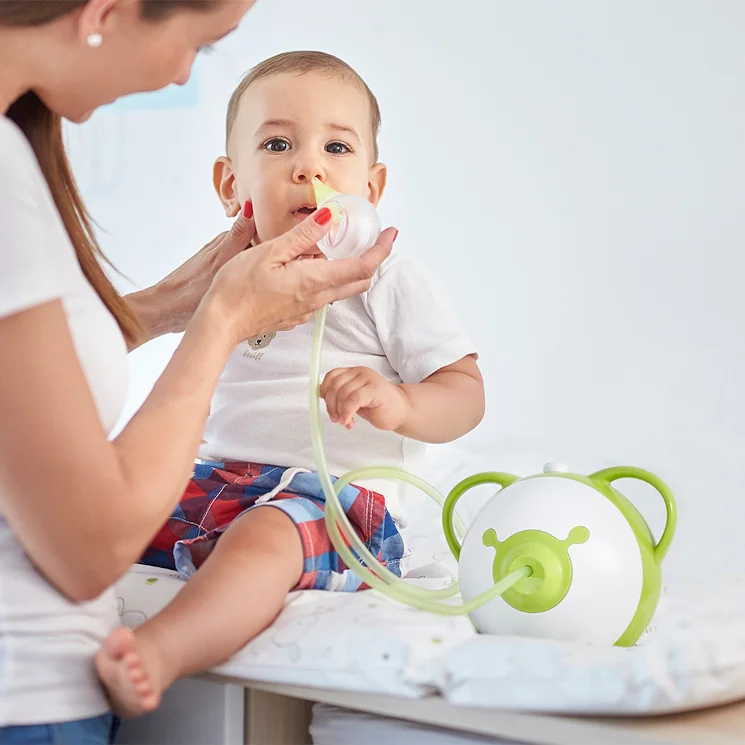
column 96, row 731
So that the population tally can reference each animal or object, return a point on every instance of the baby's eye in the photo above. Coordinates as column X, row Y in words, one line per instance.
column 276, row 145
column 337, row 148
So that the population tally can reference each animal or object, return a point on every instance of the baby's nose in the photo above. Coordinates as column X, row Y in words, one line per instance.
column 305, row 172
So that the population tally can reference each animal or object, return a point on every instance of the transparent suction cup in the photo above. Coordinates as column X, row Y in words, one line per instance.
column 354, row 229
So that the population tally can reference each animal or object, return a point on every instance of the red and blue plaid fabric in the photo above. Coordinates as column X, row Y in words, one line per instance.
column 218, row 493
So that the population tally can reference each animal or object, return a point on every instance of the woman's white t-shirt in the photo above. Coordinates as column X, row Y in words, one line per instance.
column 47, row 643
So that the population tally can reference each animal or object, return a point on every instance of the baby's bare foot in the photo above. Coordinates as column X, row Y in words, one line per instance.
column 130, row 686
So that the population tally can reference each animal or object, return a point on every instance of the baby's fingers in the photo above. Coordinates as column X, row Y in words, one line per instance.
column 354, row 395
column 330, row 391
column 331, row 380
column 330, row 387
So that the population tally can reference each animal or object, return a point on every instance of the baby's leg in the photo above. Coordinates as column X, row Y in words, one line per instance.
column 237, row 593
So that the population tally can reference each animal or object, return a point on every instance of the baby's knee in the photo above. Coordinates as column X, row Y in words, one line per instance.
column 267, row 533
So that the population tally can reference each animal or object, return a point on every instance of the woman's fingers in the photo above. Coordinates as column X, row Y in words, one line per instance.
column 378, row 253
column 329, row 281
column 266, row 288
column 325, row 282
column 238, row 238
column 303, row 237
column 343, row 278
column 300, row 321
column 326, row 297
column 359, row 268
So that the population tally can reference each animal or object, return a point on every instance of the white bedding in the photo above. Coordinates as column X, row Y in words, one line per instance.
column 693, row 656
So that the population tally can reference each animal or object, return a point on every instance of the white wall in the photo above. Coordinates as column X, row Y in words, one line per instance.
column 574, row 170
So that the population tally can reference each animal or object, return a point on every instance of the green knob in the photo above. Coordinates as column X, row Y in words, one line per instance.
column 548, row 559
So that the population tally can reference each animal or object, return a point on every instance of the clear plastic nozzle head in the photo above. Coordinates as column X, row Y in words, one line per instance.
column 355, row 225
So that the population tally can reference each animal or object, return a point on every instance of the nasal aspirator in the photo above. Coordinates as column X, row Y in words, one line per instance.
column 555, row 555
column 355, row 223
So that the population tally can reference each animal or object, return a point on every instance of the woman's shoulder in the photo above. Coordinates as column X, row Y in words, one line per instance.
column 21, row 181
column 14, row 147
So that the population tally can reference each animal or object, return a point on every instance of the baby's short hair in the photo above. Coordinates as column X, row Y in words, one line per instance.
column 301, row 63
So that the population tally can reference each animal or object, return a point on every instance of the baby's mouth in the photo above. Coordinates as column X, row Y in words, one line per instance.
column 303, row 212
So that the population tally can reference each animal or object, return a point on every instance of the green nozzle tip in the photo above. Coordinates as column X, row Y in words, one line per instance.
column 323, row 192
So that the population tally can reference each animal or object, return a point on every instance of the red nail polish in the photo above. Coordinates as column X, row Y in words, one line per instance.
column 394, row 237
column 323, row 216
column 248, row 210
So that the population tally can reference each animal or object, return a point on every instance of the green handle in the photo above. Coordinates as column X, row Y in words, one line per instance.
column 609, row 475
column 491, row 477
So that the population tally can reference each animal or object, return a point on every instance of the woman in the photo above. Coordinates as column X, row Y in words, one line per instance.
column 75, row 508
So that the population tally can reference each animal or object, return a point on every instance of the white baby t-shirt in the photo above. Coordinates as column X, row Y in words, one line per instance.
column 403, row 327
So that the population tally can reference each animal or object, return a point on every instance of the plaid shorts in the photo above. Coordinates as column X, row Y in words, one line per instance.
column 218, row 493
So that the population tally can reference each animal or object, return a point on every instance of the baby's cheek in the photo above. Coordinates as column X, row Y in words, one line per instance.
column 265, row 229
column 267, row 203
column 269, row 224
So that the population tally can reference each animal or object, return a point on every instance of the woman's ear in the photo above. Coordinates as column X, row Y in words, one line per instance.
column 94, row 15
column 376, row 183
column 223, row 179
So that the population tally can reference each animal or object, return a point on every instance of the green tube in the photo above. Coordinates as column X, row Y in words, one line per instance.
column 344, row 538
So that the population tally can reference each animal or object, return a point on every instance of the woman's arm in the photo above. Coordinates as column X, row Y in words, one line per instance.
column 167, row 307
column 85, row 508
column 151, row 308
column 82, row 507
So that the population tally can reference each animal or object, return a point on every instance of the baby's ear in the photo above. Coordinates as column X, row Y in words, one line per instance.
column 376, row 183
column 223, row 180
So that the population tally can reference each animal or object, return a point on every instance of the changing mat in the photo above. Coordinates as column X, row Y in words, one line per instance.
column 692, row 656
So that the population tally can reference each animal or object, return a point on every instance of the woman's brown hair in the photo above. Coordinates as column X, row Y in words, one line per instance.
column 43, row 128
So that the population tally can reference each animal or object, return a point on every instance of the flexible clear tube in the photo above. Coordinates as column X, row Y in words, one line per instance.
column 344, row 538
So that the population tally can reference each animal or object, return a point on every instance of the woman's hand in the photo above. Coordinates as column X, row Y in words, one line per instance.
column 168, row 306
column 267, row 289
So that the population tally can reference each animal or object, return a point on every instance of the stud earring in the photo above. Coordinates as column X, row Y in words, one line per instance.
column 94, row 40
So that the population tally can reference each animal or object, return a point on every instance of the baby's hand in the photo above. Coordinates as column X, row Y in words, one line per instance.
column 358, row 390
